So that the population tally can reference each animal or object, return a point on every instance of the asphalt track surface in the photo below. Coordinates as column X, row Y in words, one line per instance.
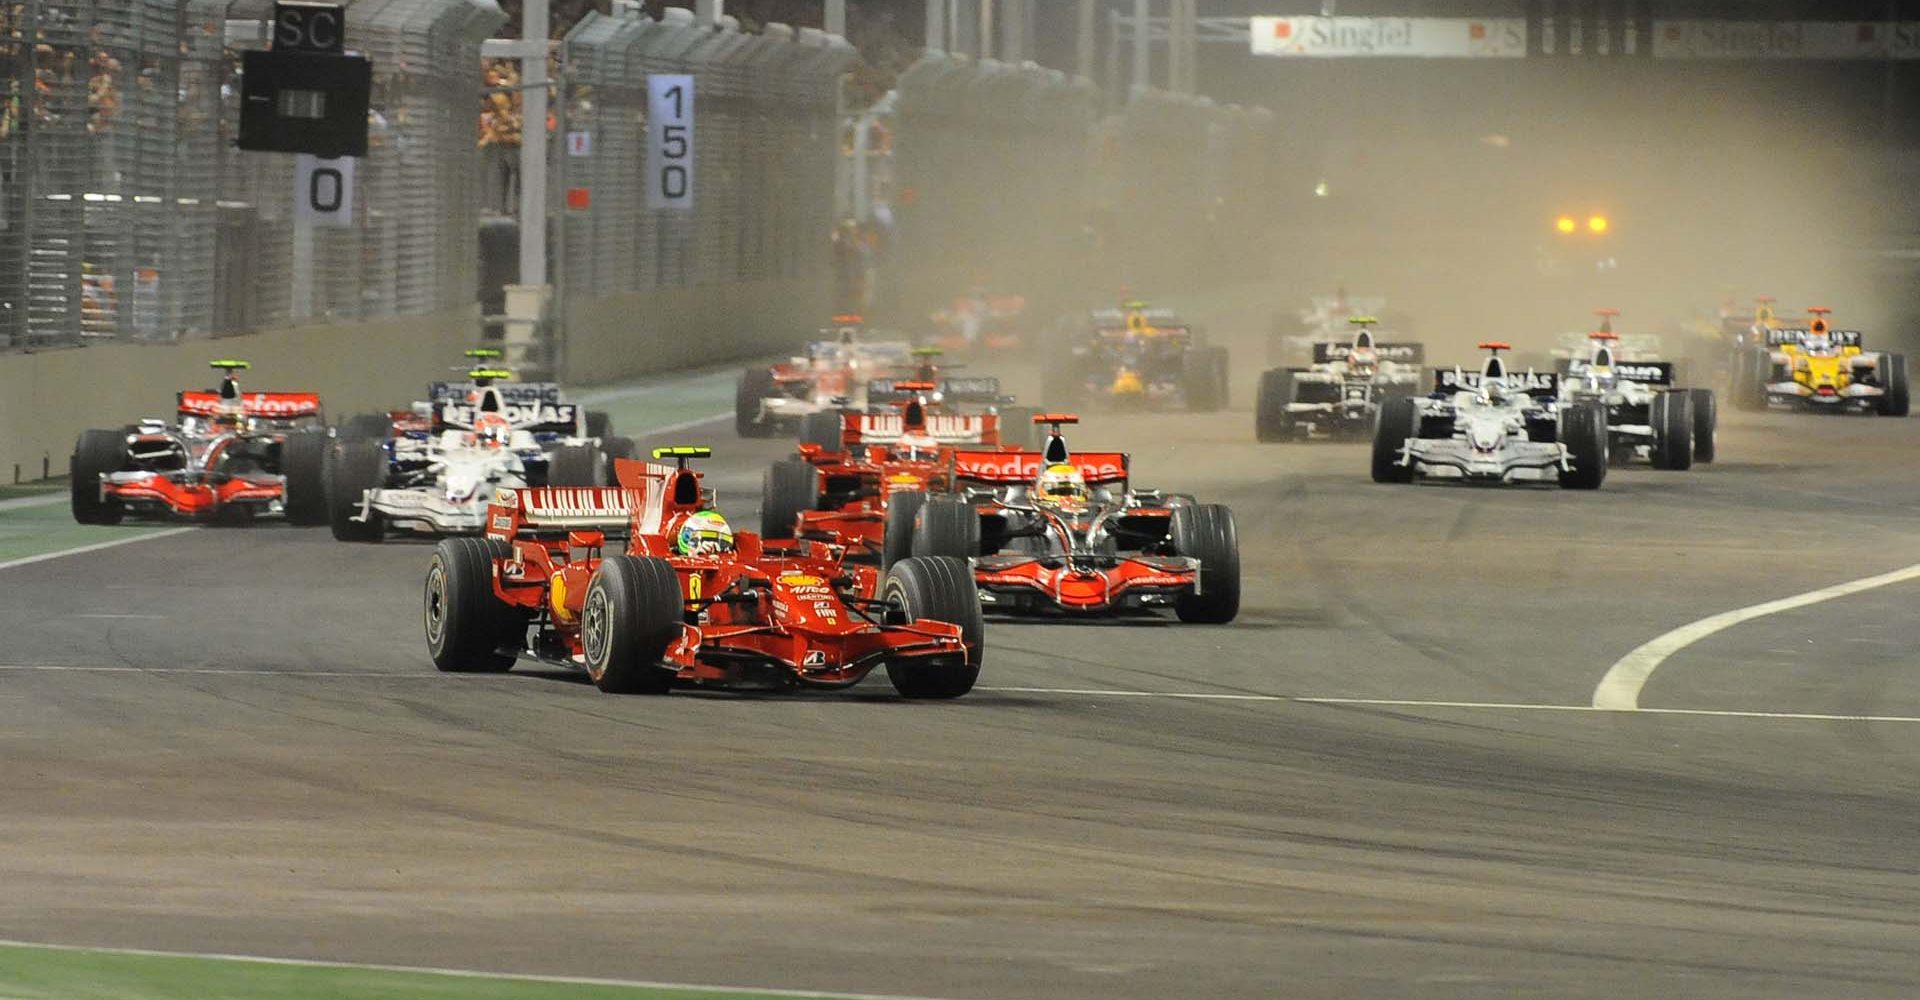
column 233, row 740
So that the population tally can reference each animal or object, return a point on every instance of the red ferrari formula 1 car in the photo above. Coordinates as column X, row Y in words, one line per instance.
column 682, row 599
column 231, row 454
column 1054, row 529
column 861, row 487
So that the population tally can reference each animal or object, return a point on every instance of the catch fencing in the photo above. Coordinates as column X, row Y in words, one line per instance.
column 766, row 112
column 126, row 213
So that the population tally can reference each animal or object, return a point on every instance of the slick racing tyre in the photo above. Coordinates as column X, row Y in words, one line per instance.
column 755, row 384
column 822, row 430
column 633, row 611
column 1672, row 418
column 1583, row 429
column 469, row 628
column 599, row 424
column 377, row 426
column 1204, row 378
column 1206, row 532
column 1706, row 424
column 351, row 468
column 1391, row 430
column 1751, row 370
column 303, row 459
column 95, row 454
column 616, row 447
column 896, row 540
column 947, row 526
column 1894, row 379
column 1271, row 421
column 790, row 486
column 577, row 465
column 936, row 589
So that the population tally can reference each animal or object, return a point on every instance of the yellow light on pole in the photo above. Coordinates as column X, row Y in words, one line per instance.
column 1597, row 224
column 1564, row 224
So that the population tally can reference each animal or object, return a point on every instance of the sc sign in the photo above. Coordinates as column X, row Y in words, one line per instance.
column 323, row 191
column 669, row 141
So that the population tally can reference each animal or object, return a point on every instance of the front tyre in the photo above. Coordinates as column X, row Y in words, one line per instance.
column 1583, row 430
column 1207, row 532
column 947, row 526
column 632, row 612
column 95, row 454
column 469, row 628
column 1894, row 402
column 789, row 487
column 351, row 468
column 1271, row 420
column 1391, row 432
column 303, row 460
column 755, row 386
column 1672, row 417
column 896, row 533
column 936, row 589
column 1706, row 424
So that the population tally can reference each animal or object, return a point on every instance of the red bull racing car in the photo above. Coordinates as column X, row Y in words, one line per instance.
column 644, row 586
column 229, row 455
column 1062, row 530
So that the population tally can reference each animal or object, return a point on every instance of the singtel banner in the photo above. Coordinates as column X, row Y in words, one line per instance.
column 1420, row 37
column 1506, row 38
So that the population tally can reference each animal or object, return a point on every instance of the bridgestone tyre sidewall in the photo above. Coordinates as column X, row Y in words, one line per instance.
column 937, row 589
column 352, row 467
column 897, row 528
column 466, row 623
column 96, row 452
column 632, row 612
column 1706, row 424
column 1207, row 532
column 1392, row 428
column 789, row 487
column 947, row 525
column 303, row 459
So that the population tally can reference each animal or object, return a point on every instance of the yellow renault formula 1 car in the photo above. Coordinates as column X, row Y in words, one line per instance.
column 1819, row 368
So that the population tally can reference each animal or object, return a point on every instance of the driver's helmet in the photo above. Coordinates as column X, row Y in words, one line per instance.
column 1061, row 484
column 702, row 533
column 1362, row 359
column 491, row 430
column 229, row 415
column 1817, row 343
column 917, row 446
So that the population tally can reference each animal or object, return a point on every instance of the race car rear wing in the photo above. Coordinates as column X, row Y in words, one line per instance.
column 944, row 428
column 1795, row 335
column 1539, row 384
column 1005, row 468
column 971, row 389
column 1327, row 352
column 558, row 418
column 260, row 405
column 523, row 393
column 1644, row 372
column 549, row 510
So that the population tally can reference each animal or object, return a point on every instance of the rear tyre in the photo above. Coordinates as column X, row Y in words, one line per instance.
column 95, row 454
column 790, row 486
column 1583, row 429
column 756, row 384
column 1392, row 430
column 1752, row 369
column 633, row 611
column 351, row 468
column 469, row 628
column 599, row 424
column 1271, row 421
column 947, row 526
column 1672, row 417
column 896, row 540
column 942, row 590
column 377, row 426
column 303, row 460
column 577, row 465
column 616, row 447
column 822, row 430
column 1205, row 379
column 1894, row 403
column 1706, row 424
column 1206, row 532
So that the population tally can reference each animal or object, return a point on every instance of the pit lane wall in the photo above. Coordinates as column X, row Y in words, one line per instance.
column 48, row 397
column 614, row 337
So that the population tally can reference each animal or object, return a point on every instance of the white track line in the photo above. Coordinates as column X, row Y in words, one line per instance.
column 305, row 963
column 1497, row 706
column 95, row 547
column 23, row 503
column 685, row 424
column 1620, row 688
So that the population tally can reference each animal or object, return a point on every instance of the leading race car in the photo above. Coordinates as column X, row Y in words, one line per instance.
column 1339, row 395
column 435, row 474
column 1064, row 531
column 1820, row 368
column 231, row 455
column 862, row 489
column 1647, row 416
column 1134, row 357
column 1494, row 426
column 832, row 375
column 682, row 599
